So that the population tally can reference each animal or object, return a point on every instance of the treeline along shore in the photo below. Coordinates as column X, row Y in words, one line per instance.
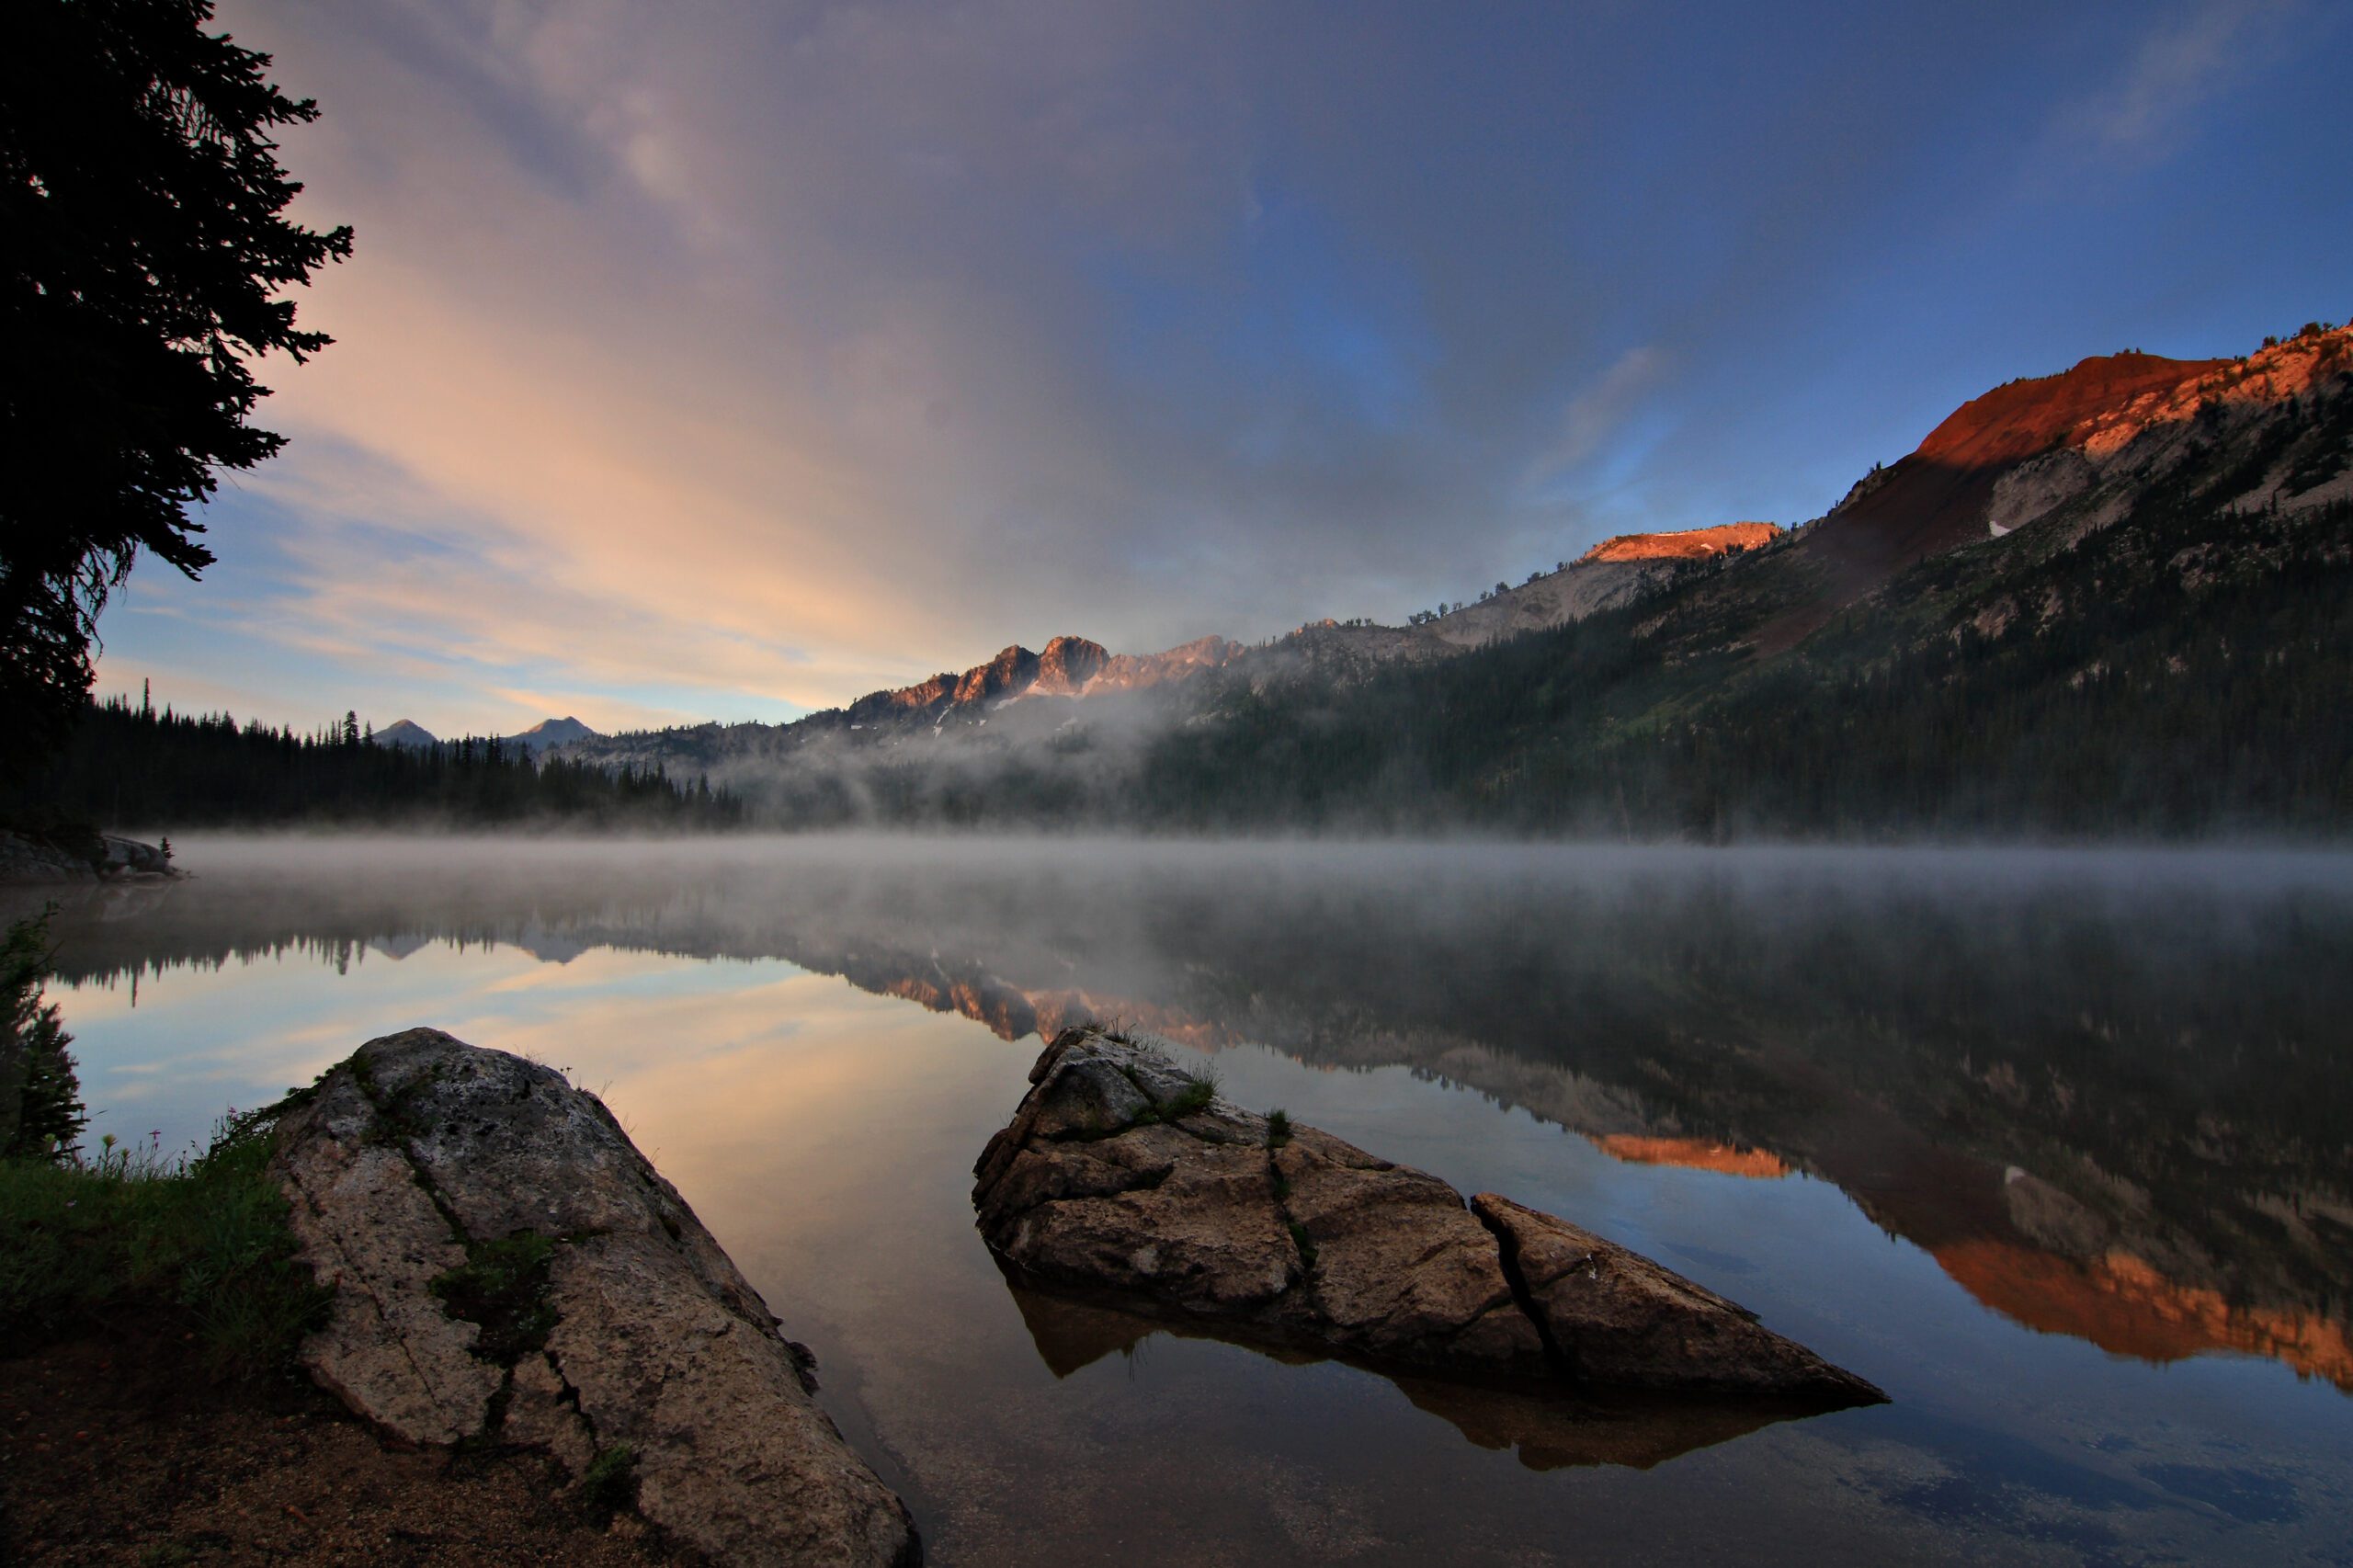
column 129, row 762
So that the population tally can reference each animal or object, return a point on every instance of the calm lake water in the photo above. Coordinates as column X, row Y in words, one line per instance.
column 2056, row 1148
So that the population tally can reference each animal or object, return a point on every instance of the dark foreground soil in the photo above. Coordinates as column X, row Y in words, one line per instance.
column 116, row 1448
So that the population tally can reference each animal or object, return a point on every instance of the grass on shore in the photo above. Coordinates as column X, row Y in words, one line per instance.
column 203, row 1238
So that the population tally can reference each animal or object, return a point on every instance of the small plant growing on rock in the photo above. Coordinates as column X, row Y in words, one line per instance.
column 502, row 1286
column 608, row 1486
column 1304, row 1242
column 1194, row 1096
column 1278, row 1128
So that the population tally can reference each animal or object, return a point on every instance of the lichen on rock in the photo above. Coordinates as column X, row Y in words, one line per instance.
column 506, row 1265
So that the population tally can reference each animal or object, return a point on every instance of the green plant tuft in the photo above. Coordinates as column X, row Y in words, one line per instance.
column 610, row 1484
column 1304, row 1242
column 1278, row 1128
column 502, row 1286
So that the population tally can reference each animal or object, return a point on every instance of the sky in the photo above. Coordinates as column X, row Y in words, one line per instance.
column 731, row 359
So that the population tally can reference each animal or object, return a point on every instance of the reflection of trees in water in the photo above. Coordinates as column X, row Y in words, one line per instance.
column 2111, row 1106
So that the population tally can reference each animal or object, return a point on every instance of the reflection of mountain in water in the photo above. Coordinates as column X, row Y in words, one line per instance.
column 2107, row 1098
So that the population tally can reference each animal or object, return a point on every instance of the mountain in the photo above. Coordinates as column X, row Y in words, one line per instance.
column 542, row 737
column 1082, row 671
column 405, row 733
column 2116, row 598
column 548, row 733
column 1613, row 572
column 2119, row 600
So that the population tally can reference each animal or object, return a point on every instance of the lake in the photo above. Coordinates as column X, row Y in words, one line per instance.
column 2055, row 1147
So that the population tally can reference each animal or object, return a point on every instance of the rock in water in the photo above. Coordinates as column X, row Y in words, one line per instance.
column 1119, row 1171
column 506, row 1265
column 1623, row 1321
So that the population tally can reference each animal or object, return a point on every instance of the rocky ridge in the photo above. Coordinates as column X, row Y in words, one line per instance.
column 506, row 1266
column 1688, row 544
column 1079, row 670
column 2083, row 447
column 1120, row 1172
column 2105, row 458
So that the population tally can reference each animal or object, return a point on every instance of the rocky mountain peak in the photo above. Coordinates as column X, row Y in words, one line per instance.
column 2273, row 374
column 1686, row 544
column 1010, row 673
column 2030, row 416
column 1067, row 665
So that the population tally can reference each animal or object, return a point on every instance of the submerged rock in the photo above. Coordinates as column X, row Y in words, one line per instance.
column 506, row 1264
column 1121, row 1173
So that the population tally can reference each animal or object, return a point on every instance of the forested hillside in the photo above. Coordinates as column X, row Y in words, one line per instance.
column 2186, row 674
column 2116, row 602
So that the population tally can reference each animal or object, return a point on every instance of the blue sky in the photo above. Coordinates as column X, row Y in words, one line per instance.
column 726, row 360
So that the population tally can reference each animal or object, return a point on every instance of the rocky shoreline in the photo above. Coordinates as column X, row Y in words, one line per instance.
column 1122, row 1173
column 82, row 857
column 503, row 1267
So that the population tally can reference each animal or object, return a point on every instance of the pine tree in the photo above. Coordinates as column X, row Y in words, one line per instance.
column 142, row 253
column 40, row 1098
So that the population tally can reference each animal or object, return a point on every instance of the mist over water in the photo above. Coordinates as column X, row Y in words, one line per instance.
column 2052, row 1145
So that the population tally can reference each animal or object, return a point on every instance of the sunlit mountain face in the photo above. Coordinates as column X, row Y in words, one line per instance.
column 2091, row 1088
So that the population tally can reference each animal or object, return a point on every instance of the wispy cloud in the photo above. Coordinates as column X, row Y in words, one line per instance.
column 2184, row 62
column 738, row 358
column 1598, row 410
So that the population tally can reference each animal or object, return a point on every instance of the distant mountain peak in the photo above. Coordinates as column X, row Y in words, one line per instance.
column 548, row 733
column 406, row 732
column 545, row 735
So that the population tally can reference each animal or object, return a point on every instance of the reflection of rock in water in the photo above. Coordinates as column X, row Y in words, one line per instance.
column 1551, row 1431
column 1910, row 1030
column 1120, row 1171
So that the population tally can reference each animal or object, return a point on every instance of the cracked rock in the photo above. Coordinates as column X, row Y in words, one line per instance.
column 423, row 1162
column 1110, row 1178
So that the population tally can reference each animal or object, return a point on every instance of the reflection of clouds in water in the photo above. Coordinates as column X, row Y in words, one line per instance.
column 594, row 967
column 1896, row 1032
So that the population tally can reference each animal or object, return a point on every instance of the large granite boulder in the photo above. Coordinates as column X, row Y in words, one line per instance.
column 1122, row 1173
column 506, row 1265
